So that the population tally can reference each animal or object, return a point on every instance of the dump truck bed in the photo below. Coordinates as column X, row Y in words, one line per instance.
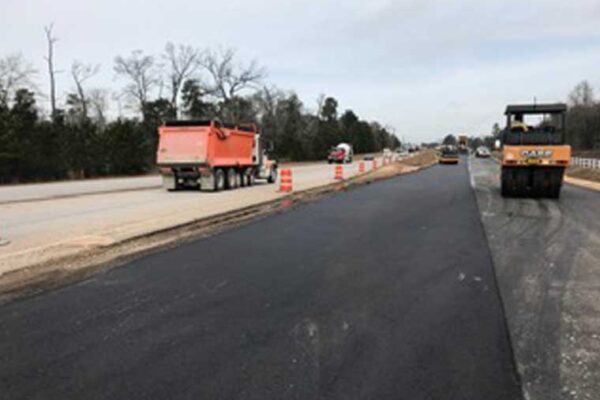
column 205, row 146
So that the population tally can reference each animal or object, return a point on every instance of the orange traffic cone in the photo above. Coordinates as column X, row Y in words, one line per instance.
column 361, row 167
column 339, row 172
column 285, row 180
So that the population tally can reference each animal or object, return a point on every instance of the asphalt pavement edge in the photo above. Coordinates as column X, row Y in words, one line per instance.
column 513, row 358
column 58, row 272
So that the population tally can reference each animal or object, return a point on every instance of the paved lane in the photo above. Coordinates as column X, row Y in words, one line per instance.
column 547, row 254
column 383, row 292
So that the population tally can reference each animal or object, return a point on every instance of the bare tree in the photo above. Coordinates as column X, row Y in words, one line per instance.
column 183, row 61
column 142, row 73
column 81, row 73
column 320, row 103
column 582, row 94
column 51, row 71
column 227, row 78
column 15, row 73
column 98, row 104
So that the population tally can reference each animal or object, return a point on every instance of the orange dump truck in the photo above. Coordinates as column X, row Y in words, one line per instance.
column 210, row 155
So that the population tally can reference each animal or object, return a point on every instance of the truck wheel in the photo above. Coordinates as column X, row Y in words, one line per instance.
column 230, row 179
column 248, row 177
column 218, row 180
column 272, row 175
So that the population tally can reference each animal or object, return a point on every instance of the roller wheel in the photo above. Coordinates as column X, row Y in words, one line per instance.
column 541, row 183
column 522, row 182
column 556, row 177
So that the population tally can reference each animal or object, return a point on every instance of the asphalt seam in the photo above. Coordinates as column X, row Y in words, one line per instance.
column 513, row 358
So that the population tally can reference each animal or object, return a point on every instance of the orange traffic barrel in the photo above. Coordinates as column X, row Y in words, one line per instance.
column 339, row 172
column 285, row 180
column 361, row 167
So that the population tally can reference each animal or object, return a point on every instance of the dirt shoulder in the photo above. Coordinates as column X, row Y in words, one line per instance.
column 588, row 174
column 99, row 255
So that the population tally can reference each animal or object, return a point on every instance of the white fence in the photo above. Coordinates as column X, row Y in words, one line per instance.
column 593, row 163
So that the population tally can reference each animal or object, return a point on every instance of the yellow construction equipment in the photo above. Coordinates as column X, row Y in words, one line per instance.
column 534, row 157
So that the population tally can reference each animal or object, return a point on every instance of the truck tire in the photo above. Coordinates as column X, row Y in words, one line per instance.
column 230, row 179
column 218, row 180
column 272, row 175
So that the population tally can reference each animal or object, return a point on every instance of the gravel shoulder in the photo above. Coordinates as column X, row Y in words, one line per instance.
column 546, row 255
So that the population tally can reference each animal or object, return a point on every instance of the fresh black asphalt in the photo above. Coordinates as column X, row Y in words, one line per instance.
column 383, row 292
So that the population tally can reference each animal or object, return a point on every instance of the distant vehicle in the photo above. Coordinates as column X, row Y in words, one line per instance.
column 341, row 154
column 369, row 157
column 448, row 155
column 534, row 158
column 482, row 152
column 210, row 155
column 401, row 152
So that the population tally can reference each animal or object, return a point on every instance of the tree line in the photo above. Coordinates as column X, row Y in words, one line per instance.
column 77, row 138
column 583, row 118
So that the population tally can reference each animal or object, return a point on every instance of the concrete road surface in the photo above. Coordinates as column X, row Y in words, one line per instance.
column 547, row 257
column 384, row 292
column 52, row 190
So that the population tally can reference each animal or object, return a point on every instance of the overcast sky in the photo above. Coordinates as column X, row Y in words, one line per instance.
column 426, row 68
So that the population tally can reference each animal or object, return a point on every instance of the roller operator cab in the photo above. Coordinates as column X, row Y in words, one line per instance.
column 534, row 153
column 210, row 155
